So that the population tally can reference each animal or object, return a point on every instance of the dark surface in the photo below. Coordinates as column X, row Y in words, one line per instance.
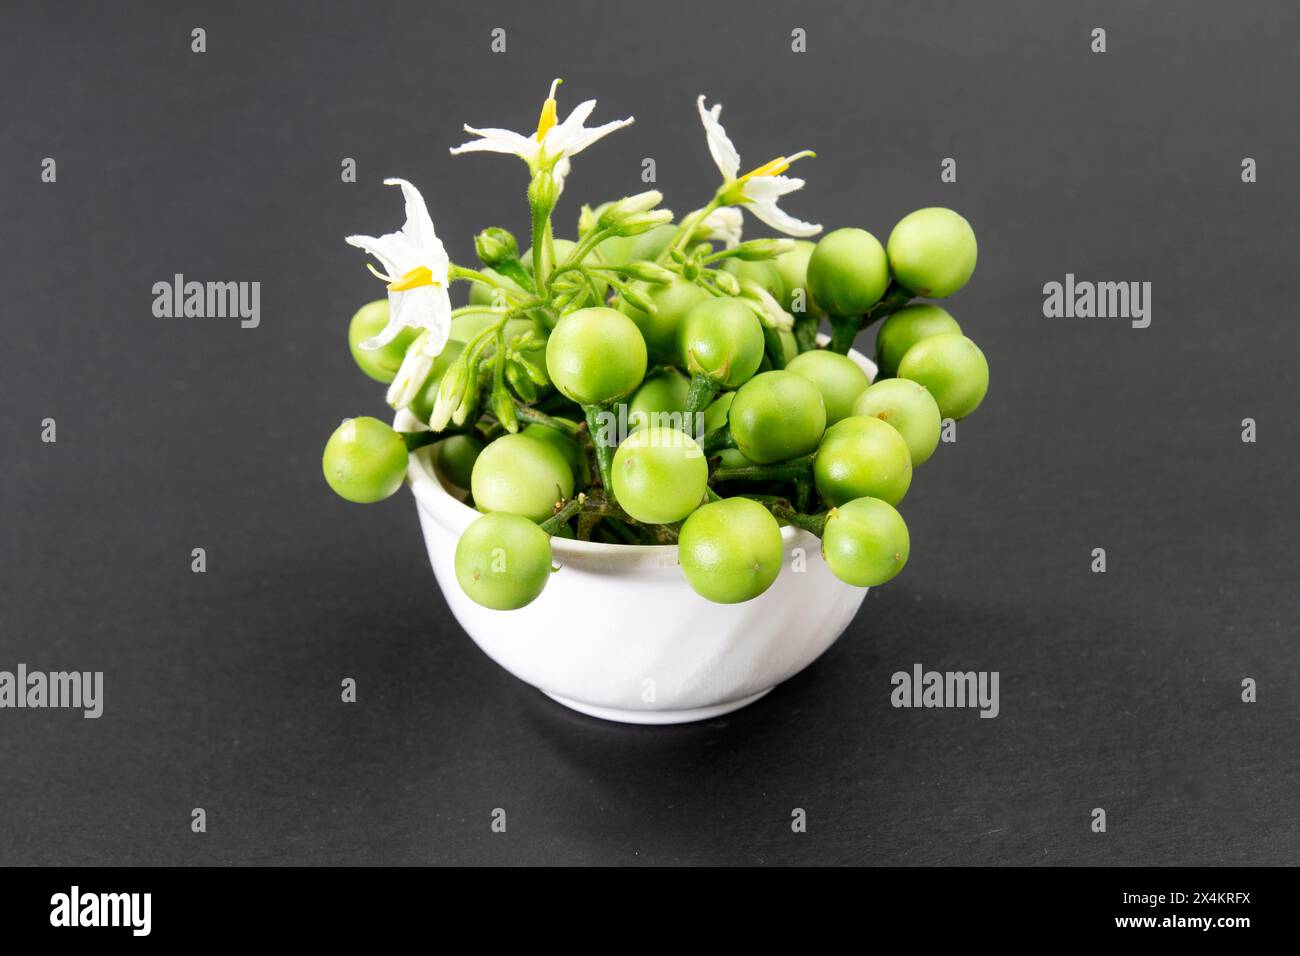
column 222, row 689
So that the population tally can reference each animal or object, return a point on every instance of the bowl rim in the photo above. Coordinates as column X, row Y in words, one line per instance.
column 433, row 494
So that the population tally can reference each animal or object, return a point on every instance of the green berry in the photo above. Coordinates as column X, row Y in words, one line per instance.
column 364, row 460
column 932, row 252
column 848, row 272
column 503, row 561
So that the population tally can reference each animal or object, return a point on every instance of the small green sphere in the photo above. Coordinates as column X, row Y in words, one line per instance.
column 862, row 457
column 672, row 301
column 910, row 409
column 596, row 356
column 777, row 416
column 839, row 379
column 848, row 272
column 503, row 561
column 793, row 269
column 659, row 400
column 932, row 252
column 904, row 328
column 456, row 456
column 715, row 416
column 565, row 445
column 521, row 475
column 364, row 460
column 659, row 475
column 763, row 272
column 722, row 339
column 952, row 368
column 731, row 550
column 382, row 363
column 865, row 542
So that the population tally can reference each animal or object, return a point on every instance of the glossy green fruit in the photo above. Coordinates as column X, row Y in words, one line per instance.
column 521, row 475
column 565, row 445
column 763, row 272
column 910, row 409
column 731, row 550
column 456, row 456
column 952, row 368
column 932, row 252
column 777, row 416
column 723, row 340
column 659, row 475
column 793, row 269
column 672, row 301
column 865, row 542
column 422, row 405
column 659, row 400
column 381, row 364
column 595, row 356
column 715, row 416
column 848, row 272
column 647, row 246
column 503, row 561
column 789, row 348
column 364, row 460
column 862, row 457
column 480, row 293
column 839, row 379
column 904, row 328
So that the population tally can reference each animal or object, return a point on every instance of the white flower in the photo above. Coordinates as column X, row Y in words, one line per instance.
column 726, row 224
column 416, row 269
column 551, row 146
column 759, row 189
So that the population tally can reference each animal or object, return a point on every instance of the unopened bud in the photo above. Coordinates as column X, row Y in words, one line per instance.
column 495, row 246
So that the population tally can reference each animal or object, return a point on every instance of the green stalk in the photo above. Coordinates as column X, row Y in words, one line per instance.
column 552, row 524
column 812, row 523
column 795, row 470
column 604, row 450
column 701, row 393
column 717, row 440
column 529, row 414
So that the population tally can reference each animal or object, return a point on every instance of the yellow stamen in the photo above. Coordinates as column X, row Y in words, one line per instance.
column 417, row 277
column 547, row 120
column 777, row 166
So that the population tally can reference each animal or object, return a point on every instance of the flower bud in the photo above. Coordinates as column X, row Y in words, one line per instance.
column 726, row 282
column 756, row 249
column 543, row 190
column 495, row 246
column 503, row 407
column 648, row 272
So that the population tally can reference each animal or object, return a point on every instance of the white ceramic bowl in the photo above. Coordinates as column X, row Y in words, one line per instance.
column 619, row 634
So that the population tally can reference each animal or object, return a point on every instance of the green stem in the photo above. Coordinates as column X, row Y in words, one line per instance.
column 571, row 508
column 512, row 269
column 600, row 441
column 416, row 440
column 687, row 228
column 717, row 440
column 541, row 228
column 813, row 523
column 701, row 393
column 795, row 470
column 529, row 414
column 805, row 331
column 844, row 329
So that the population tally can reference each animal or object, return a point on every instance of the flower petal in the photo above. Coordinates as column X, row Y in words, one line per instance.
column 419, row 227
column 725, row 155
column 781, row 221
column 499, row 141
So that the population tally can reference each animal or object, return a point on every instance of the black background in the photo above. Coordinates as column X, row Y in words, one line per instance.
column 1119, row 690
